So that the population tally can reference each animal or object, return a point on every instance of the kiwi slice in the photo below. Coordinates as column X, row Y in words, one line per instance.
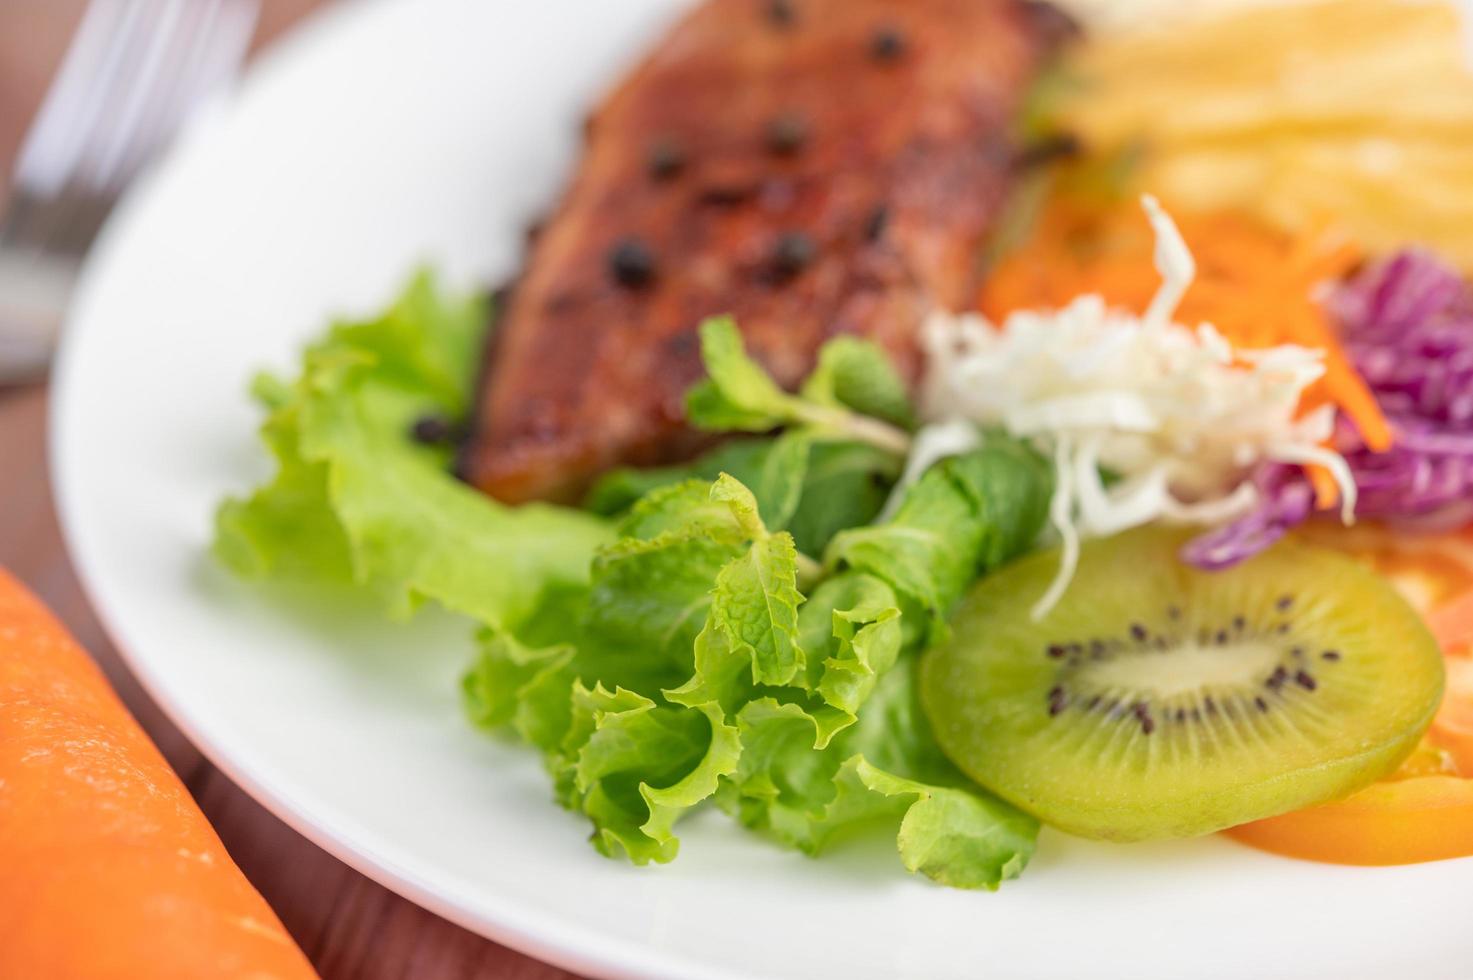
column 1160, row 701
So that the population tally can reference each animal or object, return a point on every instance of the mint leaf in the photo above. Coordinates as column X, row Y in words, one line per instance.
column 740, row 396
column 857, row 374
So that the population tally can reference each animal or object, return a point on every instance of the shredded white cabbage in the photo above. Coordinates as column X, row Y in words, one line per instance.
column 1176, row 416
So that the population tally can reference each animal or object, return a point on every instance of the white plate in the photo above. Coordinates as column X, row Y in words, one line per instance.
column 384, row 135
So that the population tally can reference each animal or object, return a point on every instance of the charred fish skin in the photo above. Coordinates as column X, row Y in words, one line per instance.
column 812, row 167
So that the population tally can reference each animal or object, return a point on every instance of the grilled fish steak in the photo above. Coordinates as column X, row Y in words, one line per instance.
column 812, row 167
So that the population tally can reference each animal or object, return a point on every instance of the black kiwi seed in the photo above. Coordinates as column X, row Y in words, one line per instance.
column 1139, row 632
column 1304, row 680
column 1277, row 678
column 1260, row 704
column 1285, row 601
column 1331, row 655
column 1057, row 701
column 1056, row 650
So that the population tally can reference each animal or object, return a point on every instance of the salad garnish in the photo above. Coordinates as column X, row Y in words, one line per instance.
column 1177, row 417
column 1093, row 576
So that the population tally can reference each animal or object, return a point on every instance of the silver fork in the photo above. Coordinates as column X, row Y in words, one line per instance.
column 134, row 72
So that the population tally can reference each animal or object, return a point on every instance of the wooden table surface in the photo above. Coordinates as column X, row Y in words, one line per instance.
column 349, row 926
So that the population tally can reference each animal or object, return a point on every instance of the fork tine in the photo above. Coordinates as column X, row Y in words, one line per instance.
column 211, row 45
column 135, row 87
column 48, row 157
column 139, row 67
column 133, row 70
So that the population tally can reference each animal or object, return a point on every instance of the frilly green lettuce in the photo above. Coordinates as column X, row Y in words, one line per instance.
column 356, row 501
column 733, row 631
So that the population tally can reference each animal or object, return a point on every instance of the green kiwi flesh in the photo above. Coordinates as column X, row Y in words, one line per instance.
column 1156, row 700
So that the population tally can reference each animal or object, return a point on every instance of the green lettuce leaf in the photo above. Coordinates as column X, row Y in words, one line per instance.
column 750, row 634
column 838, row 483
column 964, row 516
column 853, row 620
column 885, row 767
column 355, row 501
column 651, row 588
column 689, row 650
column 798, row 714
column 846, row 485
column 636, row 766
column 957, row 837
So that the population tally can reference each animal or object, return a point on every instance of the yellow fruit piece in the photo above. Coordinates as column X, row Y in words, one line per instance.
column 1360, row 111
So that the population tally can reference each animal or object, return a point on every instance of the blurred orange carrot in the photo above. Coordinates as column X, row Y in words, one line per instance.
column 108, row 870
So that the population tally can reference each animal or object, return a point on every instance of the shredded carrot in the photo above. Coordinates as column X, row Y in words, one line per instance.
column 1255, row 284
column 1452, row 622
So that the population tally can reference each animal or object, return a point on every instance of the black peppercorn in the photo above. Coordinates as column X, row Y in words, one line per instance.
column 887, row 44
column 787, row 134
column 631, row 263
column 879, row 219
column 433, row 430
column 791, row 254
column 666, row 159
column 780, row 13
